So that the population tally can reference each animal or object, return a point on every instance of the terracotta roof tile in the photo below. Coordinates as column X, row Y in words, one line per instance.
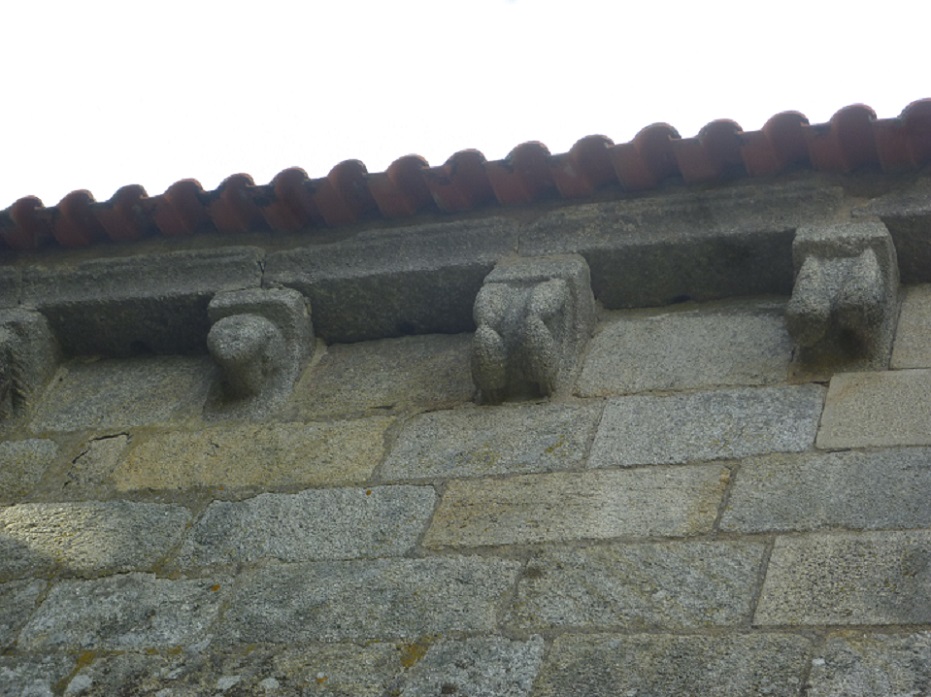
column 852, row 140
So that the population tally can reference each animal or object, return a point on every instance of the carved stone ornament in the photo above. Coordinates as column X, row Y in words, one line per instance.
column 844, row 303
column 29, row 355
column 534, row 317
column 260, row 339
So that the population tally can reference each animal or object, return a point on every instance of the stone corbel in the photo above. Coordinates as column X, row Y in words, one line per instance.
column 844, row 304
column 260, row 339
column 29, row 355
column 534, row 317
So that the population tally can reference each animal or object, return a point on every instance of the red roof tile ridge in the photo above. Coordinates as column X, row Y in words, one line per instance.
column 852, row 140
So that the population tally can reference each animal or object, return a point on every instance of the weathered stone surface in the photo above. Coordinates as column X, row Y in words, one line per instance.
column 87, row 537
column 121, row 306
column 572, row 505
column 877, row 409
column 130, row 612
column 90, row 474
column 533, row 318
column 844, row 304
column 113, row 394
column 29, row 356
column 645, row 430
column 391, row 282
column 863, row 578
column 314, row 524
column 481, row 666
column 863, row 490
column 17, row 603
column 866, row 665
column 10, row 286
column 671, row 666
column 413, row 371
column 384, row 598
column 697, row 245
column 327, row 670
column 22, row 464
column 33, row 676
column 907, row 214
column 341, row 452
column 685, row 346
column 912, row 348
column 260, row 338
column 634, row 587
column 492, row 440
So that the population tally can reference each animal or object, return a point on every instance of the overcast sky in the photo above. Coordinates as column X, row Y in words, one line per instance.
column 102, row 94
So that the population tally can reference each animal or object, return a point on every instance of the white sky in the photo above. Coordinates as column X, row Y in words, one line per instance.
column 102, row 94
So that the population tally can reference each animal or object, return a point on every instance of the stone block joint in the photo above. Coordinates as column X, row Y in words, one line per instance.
column 533, row 318
column 845, row 298
column 260, row 338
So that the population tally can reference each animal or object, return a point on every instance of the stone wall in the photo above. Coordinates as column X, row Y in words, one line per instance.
column 690, row 514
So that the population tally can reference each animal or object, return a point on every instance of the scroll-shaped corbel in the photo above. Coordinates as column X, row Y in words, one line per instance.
column 260, row 339
column 533, row 317
column 844, row 302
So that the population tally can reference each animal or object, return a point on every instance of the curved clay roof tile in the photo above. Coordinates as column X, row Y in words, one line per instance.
column 127, row 215
column 461, row 183
column 26, row 225
column 523, row 176
column 182, row 209
column 76, row 225
column 400, row 190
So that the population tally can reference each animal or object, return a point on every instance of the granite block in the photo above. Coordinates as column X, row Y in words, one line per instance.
column 576, row 506
column 859, row 490
column 120, row 393
column 372, row 599
column 87, row 537
column 686, row 346
column 256, row 456
column 476, row 441
column 848, row 579
column 660, row 665
column 732, row 423
column 637, row 587
column 316, row 524
column 877, row 409
column 127, row 612
column 22, row 464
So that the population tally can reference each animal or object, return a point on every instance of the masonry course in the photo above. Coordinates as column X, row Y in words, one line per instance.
column 689, row 516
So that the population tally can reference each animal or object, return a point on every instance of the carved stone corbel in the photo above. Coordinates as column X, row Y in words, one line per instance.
column 29, row 355
column 534, row 317
column 260, row 339
column 844, row 304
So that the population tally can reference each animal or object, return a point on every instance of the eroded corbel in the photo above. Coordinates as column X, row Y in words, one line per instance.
column 260, row 338
column 533, row 317
column 844, row 302
column 29, row 355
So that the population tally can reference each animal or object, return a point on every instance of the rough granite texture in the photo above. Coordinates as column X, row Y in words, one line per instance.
column 689, row 516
